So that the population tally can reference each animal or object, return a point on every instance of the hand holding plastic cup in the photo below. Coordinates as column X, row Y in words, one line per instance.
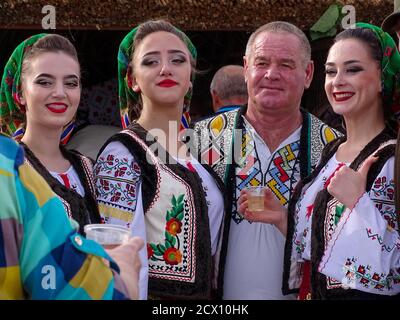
column 255, row 198
column 108, row 235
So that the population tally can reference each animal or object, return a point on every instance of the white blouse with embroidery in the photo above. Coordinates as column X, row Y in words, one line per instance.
column 70, row 179
column 361, row 245
column 118, row 183
column 119, row 197
column 254, row 261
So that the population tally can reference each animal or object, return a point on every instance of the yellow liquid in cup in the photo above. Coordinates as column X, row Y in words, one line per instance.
column 256, row 203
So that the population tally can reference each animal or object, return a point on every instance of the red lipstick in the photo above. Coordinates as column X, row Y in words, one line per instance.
column 342, row 96
column 57, row 107
column 167, row 83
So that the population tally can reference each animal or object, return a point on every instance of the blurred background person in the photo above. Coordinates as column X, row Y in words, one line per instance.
column 89, row 139
column 228, row 88
column 391, row 23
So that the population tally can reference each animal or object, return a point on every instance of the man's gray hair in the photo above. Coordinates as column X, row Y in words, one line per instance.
column 229, row 82
column 281, row 27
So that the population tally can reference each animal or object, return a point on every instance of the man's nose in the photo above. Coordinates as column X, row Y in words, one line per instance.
column 272, row 73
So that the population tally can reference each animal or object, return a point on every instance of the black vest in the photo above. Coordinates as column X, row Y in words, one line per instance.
column 163, row 288
column 84, row 210
column 318, row 280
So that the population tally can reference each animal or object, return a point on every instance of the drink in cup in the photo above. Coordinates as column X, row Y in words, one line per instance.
column 108, row 235
column 255, row 198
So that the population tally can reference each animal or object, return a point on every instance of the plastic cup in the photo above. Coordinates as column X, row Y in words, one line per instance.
column 108, row 235
column 255, row 198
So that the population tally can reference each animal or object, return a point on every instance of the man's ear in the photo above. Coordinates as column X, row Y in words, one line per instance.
column 245, row 66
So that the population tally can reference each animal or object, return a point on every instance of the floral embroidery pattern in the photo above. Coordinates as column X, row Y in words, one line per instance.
column 383, row 188
column 300, row 244
column 116, row 180
column 170, row 251
column 174, row 226
column 378, row 237
column 172, row 256
column 299, row 240
column 388, row 213
column 382, row 193
column 365, row 276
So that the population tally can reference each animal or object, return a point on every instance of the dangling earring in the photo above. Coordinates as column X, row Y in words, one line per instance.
column 136, row 88
column 18, row 98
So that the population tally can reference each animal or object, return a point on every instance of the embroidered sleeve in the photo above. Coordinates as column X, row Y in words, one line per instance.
column 364, row 251
column 117, row 179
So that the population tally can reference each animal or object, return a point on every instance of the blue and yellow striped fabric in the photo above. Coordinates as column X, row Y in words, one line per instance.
column 41, row 255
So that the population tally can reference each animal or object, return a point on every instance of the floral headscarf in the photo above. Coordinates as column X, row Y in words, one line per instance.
column 390, row 66
column 11, row 110
column 127, row 97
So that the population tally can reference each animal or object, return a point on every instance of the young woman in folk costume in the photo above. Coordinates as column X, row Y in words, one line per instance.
column 39, row 96
column 341, row 226
column 145, row 177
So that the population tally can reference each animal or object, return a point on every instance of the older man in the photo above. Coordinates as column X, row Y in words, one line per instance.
column 41, row 255
column 228, row 88
column 275, row 144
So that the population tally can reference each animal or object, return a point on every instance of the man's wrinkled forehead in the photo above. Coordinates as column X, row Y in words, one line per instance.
column 283, row 43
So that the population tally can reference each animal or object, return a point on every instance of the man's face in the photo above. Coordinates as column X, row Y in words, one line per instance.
column 276, row 73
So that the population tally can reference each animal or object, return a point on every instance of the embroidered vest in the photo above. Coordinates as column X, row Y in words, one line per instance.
column 83, row 210
column 321, row 286
column 223, row 142
column 177, row 225
column 215, row 139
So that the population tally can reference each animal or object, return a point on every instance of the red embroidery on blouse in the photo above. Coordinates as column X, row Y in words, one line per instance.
column 65, row 179
column 309, row 211
column 190, row 166
column 327, row 182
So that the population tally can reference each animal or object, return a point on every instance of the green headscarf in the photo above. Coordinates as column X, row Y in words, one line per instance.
column 11, row 111
column 390, row 66
column 127, row 97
